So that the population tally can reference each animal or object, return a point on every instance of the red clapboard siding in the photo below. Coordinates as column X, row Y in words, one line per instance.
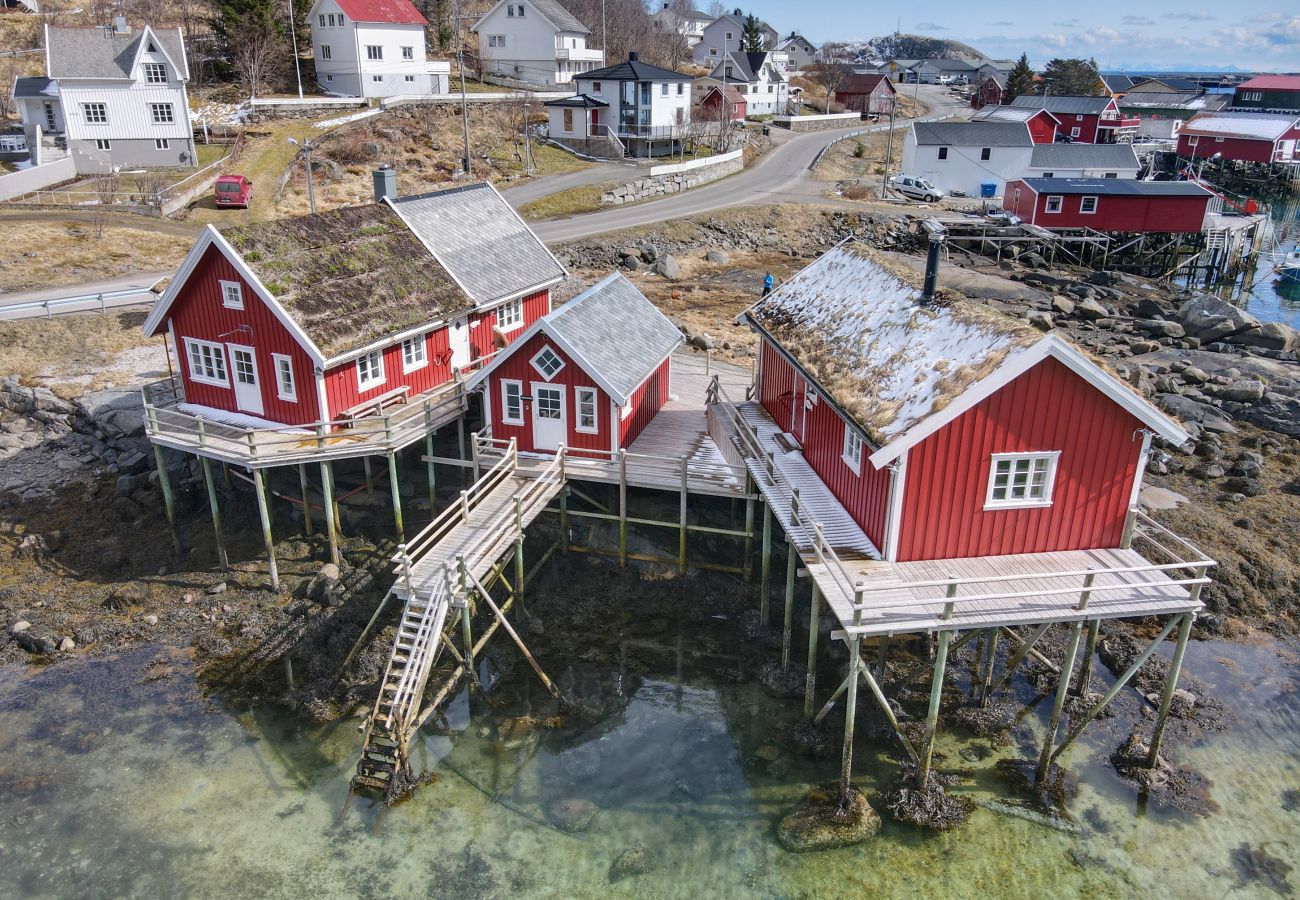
column 518, row 366
column 1042, row 127
column 865, row 496
column 1239, row 149
column 1087, row 125
column 482, row 337
column 1139, row 213
column 646, row 401
column 1047, row 408
column 341, row 390
column 198, row 313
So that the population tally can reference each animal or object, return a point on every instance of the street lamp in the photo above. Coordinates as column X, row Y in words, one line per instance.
column 306, row 152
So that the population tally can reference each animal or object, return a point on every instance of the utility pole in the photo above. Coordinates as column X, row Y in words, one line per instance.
column 889, row 148
column 297, row 64
column 311, row 190
column 464, row 103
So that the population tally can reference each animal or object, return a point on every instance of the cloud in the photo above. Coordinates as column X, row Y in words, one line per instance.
column 1197, row 17
column 1138, row 20
column 930, row 26
column 1002, row 24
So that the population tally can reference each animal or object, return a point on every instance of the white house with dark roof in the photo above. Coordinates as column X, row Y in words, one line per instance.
column 373, row 48
column 113, row 97
column 534, row 41
column 643, row 107
column 964, row 157
column 687, row 23
column 799, row 51
column 756, row 76
column 724, row 35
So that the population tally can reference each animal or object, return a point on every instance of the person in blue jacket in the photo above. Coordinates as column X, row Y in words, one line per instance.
column 768, row 281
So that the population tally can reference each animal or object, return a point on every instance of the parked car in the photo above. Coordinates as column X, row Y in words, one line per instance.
column 233, row 191
column 916, row 187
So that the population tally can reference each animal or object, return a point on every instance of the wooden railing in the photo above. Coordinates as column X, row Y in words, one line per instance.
column 285, row 444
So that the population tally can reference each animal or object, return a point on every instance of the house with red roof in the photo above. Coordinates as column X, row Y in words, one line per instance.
column 373, row 48
column 1269, row 93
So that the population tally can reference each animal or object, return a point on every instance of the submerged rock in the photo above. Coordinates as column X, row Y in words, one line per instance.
column 635, row 860
column 825, row 820
column 572, row 814
column 1164, row 785
column 782, row 682
column 1253, row 864
column 930, row 808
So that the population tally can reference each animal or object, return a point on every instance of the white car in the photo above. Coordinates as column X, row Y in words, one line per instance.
column 916, row 187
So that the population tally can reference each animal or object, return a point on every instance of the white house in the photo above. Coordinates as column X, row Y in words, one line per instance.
column 687, row 23
column 756, row 77
column 534, row 41
column 724, row 35
column 645, row 107
column 113, row 97
column 800, row 52
column 373, row 48
column 1083, row 161
column 973, row 158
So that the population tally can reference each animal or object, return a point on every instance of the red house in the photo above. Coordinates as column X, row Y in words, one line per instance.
column 1109, row 204
column 713, row 100
column 590, row 375
column 945, row 429
column 871, row 94
column 1091, row 120
column 989, row 92
column 331, row 316
column 1241, row 136
column 1043, row 126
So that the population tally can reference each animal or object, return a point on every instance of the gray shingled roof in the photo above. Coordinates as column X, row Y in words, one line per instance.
column 970, row 134
column 35, row 87
column 579, row 101
column 99, row 53
column 1084, row 156
column 1190, row 101
column 1124, row 187
column 480, row 239
column 560, row 17
column 1070, row 106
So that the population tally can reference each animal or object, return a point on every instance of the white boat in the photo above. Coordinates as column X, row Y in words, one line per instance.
column 1289, row 269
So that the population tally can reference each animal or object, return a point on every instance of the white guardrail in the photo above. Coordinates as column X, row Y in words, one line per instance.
column 674, row 168
column 101, row 302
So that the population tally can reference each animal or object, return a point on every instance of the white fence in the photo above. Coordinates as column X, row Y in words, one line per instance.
column 475, row 97
column 15, row 184
column 785, row 121
column 674, row 168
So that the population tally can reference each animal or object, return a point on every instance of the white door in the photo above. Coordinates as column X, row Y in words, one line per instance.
column 243, row 373
column 548, row 416
column 458, row 335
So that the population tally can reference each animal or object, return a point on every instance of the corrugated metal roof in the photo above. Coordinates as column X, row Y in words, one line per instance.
column 101, row 53
column 1070, row 106
column 619, row 335
column 1084, row 156
column 1184, row 100
column 481, row 240
column 394, row 12
column 863, row 84
column 1252, row 126
column 972, row 134
column 1116, row 187
column 1008, row 114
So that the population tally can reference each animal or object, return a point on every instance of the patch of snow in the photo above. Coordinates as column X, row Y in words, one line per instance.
column 354, row 117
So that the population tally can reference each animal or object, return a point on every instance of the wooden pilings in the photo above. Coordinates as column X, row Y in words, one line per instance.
column 1058, row 705
column 433, row 475
column 397, row 496
column 850, row 715
column 306, row 499
column 169, row 501
column 810, row 678
column 222, row 559
column 1171, row 685
column 264, row 513
column 765, row 565
column 791, row 564
column 331, row 510
column 932, row 714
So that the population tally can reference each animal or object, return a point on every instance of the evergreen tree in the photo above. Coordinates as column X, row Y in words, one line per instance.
column 1020, row 80
column 1072, row 78
column 751, row 41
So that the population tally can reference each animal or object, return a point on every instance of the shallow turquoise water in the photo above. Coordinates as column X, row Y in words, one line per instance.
column 119, row 778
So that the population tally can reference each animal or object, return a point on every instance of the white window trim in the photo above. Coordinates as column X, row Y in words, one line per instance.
column 160, row 107
column 1052, row 456
column 593, row 396
column 852, row 441
column 517, row 304
column 1059, row 202
column 537, row 367
column 1083, row 201
column 196, row 370
column 505, row 404
column 239, row 295
column 365, row 384
column 624, row 412
column 413, row 365
column 277, row 360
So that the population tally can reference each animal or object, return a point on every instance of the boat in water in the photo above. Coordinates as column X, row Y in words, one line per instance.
column 1289, row 269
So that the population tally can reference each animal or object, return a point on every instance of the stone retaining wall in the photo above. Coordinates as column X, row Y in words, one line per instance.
column 265, row 110
column 670, row 183
column 816, row 123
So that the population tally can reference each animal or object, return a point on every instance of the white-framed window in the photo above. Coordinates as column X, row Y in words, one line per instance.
column 663, row 89
column 728, row 35
column 547, row 363
column 1019, row 480
column 285, row 388
column 1078, row 118
column 713, row 51
column 1218, row 140
column 161, row 113
column 510, row 314
column 586, row 403
column 103, row 144
column 512, row 402
column 155, row 73
column 232, row 295
column 1054, row 202
column 496, row 40
column 207, row 362
column 852, row 454
column 343, row 20
column 681, row 88
column 1074, row 132
column 374, row 51
column 378, row 79
column 329, row 77
column 595, row 87
column 370, row 370
column 1087, row 205
column 943, row 152
column 410, row 79
column 325, row 51
column 568, row 119
column 408, row 53
column 322, row 20
column 95, row 113
column 1192, row 139
column 331, row 20
column 415, row 354
column 161, row 144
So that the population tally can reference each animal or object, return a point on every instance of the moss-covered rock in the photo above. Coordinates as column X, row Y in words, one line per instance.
column 824, row 821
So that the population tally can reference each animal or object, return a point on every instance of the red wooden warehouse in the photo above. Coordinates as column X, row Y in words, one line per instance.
column 1109, row 204
column 946, row 430
column 591, row 375
column 871, row 94
column 1042, row 125
column 714, row 100
column 1090, row 120
column 1241, row 136
column 336, row 315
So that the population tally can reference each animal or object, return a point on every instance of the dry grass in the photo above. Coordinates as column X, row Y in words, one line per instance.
column 80, row 352
column 67, row 252
column 861, row 157
column 584, row 198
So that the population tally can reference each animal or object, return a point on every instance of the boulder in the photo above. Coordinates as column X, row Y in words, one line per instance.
column 717, row 257
column 1189, row 410
column 1091, row 310
column 668, row 267
column 572, row 814
column 324, row 586
column 1062, row 305
column 1243, row 390
column 1269, row 336
column 702, row 342
column 1040, row 320
column 635, row 860
column 1160, row 328
column 1208, row 318
column 822, row 822
column 1194, row 375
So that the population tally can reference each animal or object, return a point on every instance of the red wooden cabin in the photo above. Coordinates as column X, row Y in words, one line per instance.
column 1241, row 136
column 1043, row 126
column 1090, row 120
column 329, row 316
column 713, row 101
column 590, row 375
column 945, row 429
column 871, row 94
column 989, row 92
column 1109, row 204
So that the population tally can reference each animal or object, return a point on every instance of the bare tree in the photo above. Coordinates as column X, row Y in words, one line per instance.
column 8, row 72
column 716, row 8
column 518, row 113
column 260, row 44
column 830, row 72
column 105, row 188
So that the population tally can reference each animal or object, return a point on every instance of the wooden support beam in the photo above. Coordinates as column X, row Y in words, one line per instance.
column 749, row 537
column 264, row 512
column 850, row 716
column 307, row 523
column 564, row 518
column 397, row 496
column 932, row 715
column 364, row 633
column 810, row 679
column 462, row 576
column 1058, row 705
column 169, row 501
column 1047, row 663
column 433, row 475
column 622, row 507
column 331, row 510
column 222, row 559
column 651, row 558
column 1171, row 685
column 990, row 657
column 514, row 636
column 681, row 520
column 370, row 476
column 765, row 565
column 1018, row 655
column 1089, row 651
column 882, row 654
column 791, row 563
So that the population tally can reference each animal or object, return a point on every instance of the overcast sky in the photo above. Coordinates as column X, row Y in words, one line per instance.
column 1248, row 34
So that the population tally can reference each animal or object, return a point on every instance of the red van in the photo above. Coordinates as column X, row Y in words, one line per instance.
column 233, row 191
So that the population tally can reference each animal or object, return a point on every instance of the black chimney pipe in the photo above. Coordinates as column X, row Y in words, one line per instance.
column 633, row 56
column 937, row 234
